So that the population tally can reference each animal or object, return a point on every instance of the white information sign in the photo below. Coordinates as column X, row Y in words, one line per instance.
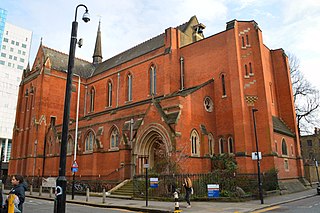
column 49, row 182
column 255, row 157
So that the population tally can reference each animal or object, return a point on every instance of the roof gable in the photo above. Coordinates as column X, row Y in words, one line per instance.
column 59, row 61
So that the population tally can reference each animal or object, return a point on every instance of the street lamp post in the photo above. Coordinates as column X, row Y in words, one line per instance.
column 258, row 158
column 61, row 180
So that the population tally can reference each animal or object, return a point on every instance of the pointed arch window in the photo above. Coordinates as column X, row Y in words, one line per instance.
column 284, row 147
column 89, row 142
column 195, row 143
column 250, row 69
column 129, row 87
column 230, row 145
column 92, row 97
column 114, row 138
column 221, row 146
column 109, row 94
column 223, row 83
column 247, row 39
column 69, row 146
column 242, row 40
column 246, row 70
column 153, row 80
column 211, row 144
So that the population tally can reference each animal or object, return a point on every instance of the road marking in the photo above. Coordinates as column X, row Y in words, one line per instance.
column 122, row 210
column 267, row 209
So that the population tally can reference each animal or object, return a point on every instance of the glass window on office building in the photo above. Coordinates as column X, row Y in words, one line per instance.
column 8, row 151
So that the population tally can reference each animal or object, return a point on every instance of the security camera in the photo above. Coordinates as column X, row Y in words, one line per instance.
column 80, row 42
column 86, row 17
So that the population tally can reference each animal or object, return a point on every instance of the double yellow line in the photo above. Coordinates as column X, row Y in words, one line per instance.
column 267, row 209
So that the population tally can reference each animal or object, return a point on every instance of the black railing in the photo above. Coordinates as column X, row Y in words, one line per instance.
column 167, row 184
column 228, row 183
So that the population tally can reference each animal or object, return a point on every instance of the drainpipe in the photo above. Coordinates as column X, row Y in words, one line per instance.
column 85, row 101
column 181, row 73
column 118, row 86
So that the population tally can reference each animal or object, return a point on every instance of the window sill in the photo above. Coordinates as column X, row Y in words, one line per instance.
column 88, row 152
column 246, row 76
column 115, row 149
column 224, row 96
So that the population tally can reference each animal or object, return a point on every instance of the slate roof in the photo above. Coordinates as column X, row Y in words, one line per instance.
column 59, row 61
column 139, row 50
column 130, row 54
column 190, row 90
column 280, row 127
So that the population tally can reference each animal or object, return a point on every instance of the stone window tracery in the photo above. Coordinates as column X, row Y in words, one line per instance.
column 208, row 104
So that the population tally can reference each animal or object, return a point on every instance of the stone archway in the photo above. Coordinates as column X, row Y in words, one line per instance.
column 153, row 144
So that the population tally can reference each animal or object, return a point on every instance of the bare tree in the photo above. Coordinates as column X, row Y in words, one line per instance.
column 306, row 98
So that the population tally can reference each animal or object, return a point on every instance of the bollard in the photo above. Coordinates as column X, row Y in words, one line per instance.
column 87, row 194
column 104, row 195
column 31, row 189
column 40, row 191
column 50, row 193
column 176, row 202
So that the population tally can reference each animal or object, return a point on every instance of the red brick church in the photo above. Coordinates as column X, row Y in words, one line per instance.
column 177, row 95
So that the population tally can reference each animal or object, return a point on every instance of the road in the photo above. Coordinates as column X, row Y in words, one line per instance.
column 308, row 205
column 44, row 206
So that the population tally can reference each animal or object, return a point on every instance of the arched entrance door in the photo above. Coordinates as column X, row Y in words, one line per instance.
column 151, row 148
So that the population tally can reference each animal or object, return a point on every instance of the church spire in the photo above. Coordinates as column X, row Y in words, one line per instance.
column 97, row 55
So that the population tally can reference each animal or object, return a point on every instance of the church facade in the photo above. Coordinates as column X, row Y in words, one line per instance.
column 178, row 97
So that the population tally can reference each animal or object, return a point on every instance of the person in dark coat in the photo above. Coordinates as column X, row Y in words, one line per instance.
column 19, row 188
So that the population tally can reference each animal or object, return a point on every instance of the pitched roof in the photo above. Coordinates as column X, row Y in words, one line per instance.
column 130, row 54
column 140, row 49
column 280, row 127
column 59, row 61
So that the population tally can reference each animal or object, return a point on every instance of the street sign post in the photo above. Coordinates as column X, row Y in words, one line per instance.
column 74, row 169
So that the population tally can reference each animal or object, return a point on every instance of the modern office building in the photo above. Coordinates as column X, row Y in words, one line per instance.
column 3, row 17
column 14, row 55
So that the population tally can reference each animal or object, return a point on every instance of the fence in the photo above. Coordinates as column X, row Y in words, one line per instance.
column 167, row 184
column 94, row 183
column 227, row 182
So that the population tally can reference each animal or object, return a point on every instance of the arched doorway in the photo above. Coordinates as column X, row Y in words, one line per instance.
column 151, row 148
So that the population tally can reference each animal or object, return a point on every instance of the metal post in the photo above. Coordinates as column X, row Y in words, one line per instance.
column 61, row 180
column 76, row 139
column 34, row 164
column 146, row 186
column 1, row 160
column 73, row 183
column 258, row 159
column 316, row 164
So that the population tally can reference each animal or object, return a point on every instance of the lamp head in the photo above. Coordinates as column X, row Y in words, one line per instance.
column 86, row 16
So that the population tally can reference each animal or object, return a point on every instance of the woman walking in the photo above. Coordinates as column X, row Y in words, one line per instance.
column 187, row 183
column 19, row 188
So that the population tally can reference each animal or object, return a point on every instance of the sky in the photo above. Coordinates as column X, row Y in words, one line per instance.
column 293, row 25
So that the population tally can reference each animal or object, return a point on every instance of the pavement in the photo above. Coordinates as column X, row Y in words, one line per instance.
column 197, row 206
